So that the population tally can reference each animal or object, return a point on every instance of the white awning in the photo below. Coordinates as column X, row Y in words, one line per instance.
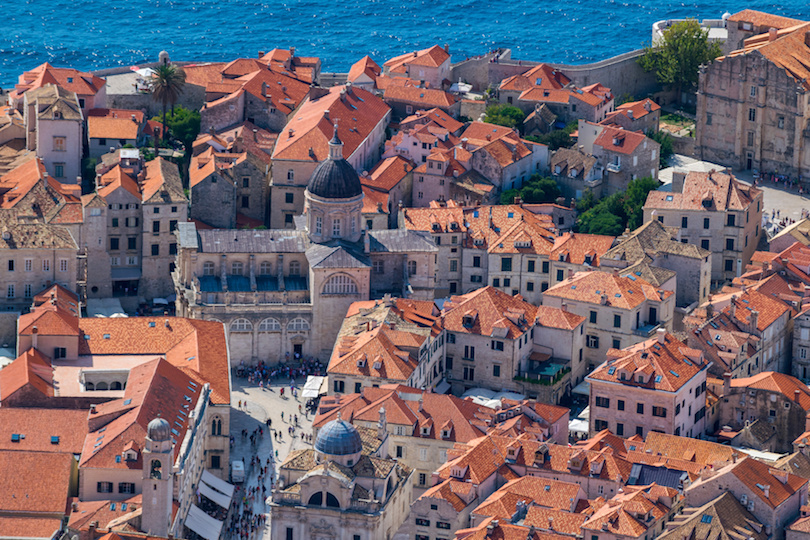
column 583, row 389
column 203, row 524
column 219, row 498
column 216, row 483
column 442, row 387
column 578, row 426
column 312, row 388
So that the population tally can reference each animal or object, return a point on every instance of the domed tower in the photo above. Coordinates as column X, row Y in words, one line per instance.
column 333, row 200
column 158, row 456
column 163, row 58
column 339, row 441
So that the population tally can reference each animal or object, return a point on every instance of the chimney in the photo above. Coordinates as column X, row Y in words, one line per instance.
column 726, row 384
column 564, row 306
column 74, row 506
column 647, row 106
column 446, row 48
column 489, row 137
column 754, row 321
column 797, row 394
column 91, row 530
column 255, row 135
column 34, row 335
column 603, row 299
column 678, row 178
column 326, row 114
column 766, row 490
column 570, row 273
column 662, row 335
column 803, row 449
column 261, row 53
column 733, row 306
column 421, row 403
column 772, row 33
column 630, row 114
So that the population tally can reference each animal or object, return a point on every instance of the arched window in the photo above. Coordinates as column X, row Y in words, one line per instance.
column 290, row 175
column 216, row 426
column 411, row 268
column 208, row 268
column 270, row 325
column 89, row 386
column 265, row 268
column 331, row 501
column 101, row 386
column 115, row 386
column 241, row 325
column 295, row 268
column 340, row 284
column 155, row 470
column 298, row 325
column 236, row 268
column 316, row 499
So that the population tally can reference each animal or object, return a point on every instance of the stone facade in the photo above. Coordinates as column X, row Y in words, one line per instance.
column 801, row 347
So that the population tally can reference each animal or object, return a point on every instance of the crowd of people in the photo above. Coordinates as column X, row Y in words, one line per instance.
column 264, row 374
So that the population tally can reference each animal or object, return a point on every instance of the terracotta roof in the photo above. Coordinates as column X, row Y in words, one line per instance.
column 374, row 201
column 759, row 18
column 29, row 527
column 59, row 295
column 488, row 312
column 162, row 183
column 431, row 57
column 155, row 388
column 716, row 192
column 696, row 450
column 114, row 123
column 357, row 113
column 449, row 491
column 532, row 490
column 540, row 76
column 754, row 474
column 666, row 366
column 437, row 116
column 83, row 84
column 619, row 140
column 186, row 343
column 558, row 318
column 488, row 530
column 636, row 109
column 422, row 97
column 770, row 309
column 35, row 482
column 625, row 513
column 576, row 247
column 40, row 426
column 103, row 512
column 572, row 160
column 365, row 66
column 650, row 239
column 303, row 68
column 776, row 382
column 119, row 178
column 381, row 352
column 623, row 292
column 387, row 173
column 480, row 132
column 31, row 368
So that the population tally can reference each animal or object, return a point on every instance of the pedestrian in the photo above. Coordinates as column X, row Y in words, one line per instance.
column 240, row 404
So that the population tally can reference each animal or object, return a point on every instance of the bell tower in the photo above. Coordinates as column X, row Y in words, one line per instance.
column 157, row 482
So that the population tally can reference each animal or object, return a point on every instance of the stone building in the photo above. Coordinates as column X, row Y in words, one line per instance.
column 640, row 116
column 752, row 104
column 115, row 128
column 346, row 482
column 778, row 399
column 284, row 293
column 659, row 246
column 361, row 118
column 620, row 310
column 749, row 23
column 429, row 66
column 659, row 384
column 723, row 517
column 800, row 364
column 55, row 130
column 91, row 91
column 713, row 210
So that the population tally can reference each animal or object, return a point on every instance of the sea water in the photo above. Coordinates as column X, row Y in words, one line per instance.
column 97, row 34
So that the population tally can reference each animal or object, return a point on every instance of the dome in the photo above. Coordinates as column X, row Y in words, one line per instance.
column 159, row 430
column 338, row 438
column 335, row 178
column 726, row 15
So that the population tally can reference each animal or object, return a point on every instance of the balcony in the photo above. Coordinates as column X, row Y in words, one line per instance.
column 539, row 369
column 614, row 167
column 647, row 330
column 593, row 183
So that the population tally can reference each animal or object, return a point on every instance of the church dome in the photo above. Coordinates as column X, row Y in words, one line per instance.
column 159, row 430
column 338, row 438
column 335, row 178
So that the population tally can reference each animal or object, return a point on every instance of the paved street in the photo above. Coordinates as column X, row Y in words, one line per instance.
column 257, row 405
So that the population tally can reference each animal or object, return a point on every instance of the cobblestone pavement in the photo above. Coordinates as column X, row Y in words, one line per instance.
column 259, row 404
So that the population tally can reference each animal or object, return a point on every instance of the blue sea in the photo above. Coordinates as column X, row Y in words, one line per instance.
column 103, row 33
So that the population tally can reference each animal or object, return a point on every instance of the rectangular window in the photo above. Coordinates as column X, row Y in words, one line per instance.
column 59, row 170
column 592, row 342
column 11, row 265
column 115, row 222
column 545, row 267
column 530, row 286
column 289, row 198
column 10, row 291
column 560, row 275
column 59, row 144
column 729, row 244
column 379, row 267
column 684, row 222
column 27, row 291
column 126, row 487
column 476, row 262
column 639, row 408
column 506, row 264
column 617, row 321
column 46, row 265
column 496, row 282
column 29, row 265
column 753, row 92
column 469, row 373
column 704, row 243
column 339, row 386
column 155, row 250
column 289, row 534
column 752, row 115
column 706, row 223
column 400, row 451
column 469, row 352
column 600, row 425
column 104, row 487
column 530, row 266
column 592, row 318
column 336, row 228
column 132, row 242
column 245, row 201
column 603, row 402
column 781, row 122
column 750, row 138
column 172, row 225
column 156, row 226
column 620, row 404
column 496, row 370
column 172, row 249
column 729, row 265
column 660, row 412
column 454, row 265
column 620, row 429
column 708, row 119
column 617, row 343
column 497, row 345
column 132, row 260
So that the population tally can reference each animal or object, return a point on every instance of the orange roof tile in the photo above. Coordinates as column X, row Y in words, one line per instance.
column 759, row 18
column 638, row 109
column 118, row 178
column 541, row 76
column 365, row 66
column 421, row 97
column 431, row 57
column 686, row 448
column 754, row 474
column 538, row 491
column 381, row 352
column 114, row 123
column 72, row 80
column 706, row 191
column 388, row 173
column 30, row 368
column 619, row 140
column 40, row 426
column 449, row 491
column 486, row 310
column 435, row 115
column 29, row 527
column 776, row 382
column 579, row 248
column 623, row 292
column 35, row 482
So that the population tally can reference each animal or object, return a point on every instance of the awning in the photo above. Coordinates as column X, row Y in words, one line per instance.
column 312, row 388
column 583, row 388
column 120, row 274
column 442, row 387
column 216, row 483
column 220, row 498
column 203, row 524
column 578, row 426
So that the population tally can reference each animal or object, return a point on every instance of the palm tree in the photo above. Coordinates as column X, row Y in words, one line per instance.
column 166, row 86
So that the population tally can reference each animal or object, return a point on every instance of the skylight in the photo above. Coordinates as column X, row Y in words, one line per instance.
column 669, row 197
column 611, row 371
column 674, row 373
column 55, row 439
column 658, row 378
column 706, row 519
column 127, row 401
column 106, row 336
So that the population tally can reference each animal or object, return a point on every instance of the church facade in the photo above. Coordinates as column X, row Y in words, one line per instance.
column 283, row 293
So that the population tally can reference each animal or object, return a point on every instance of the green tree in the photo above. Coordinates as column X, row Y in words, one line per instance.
column 613, row 214
column 634, row 199
column 505, row 115
column 537, row 189
column 675, row 59
column 166, row 86
column 184, row 125
column 665, row 140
